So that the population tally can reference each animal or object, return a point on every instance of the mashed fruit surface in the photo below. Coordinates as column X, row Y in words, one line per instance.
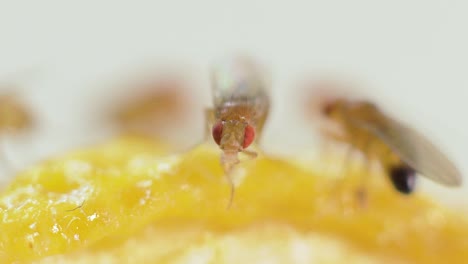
column 128, row 202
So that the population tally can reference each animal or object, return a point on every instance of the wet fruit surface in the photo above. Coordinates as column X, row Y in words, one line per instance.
column 126, row 201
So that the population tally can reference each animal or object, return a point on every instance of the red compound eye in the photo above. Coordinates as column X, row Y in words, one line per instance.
column 249, row 136
column 217, row 132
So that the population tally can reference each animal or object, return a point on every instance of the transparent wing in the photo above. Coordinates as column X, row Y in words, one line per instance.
column 238, row 81
column 416, row 150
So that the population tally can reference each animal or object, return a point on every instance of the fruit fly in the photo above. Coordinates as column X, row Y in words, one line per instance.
column 401, row 150
column 14, row 116
column 156, row 105
column 241, row 106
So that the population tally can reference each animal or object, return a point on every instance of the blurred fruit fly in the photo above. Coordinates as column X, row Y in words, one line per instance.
column 155, row 105
column 14, row 116
column 241, row 106
column 401, row 150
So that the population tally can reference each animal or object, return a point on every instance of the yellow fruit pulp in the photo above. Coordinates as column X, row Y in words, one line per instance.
column 128, row 202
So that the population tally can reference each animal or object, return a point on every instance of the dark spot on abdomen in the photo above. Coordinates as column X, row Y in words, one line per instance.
column 403, row 178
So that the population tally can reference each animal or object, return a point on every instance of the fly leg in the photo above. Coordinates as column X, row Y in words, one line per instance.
column 336, row 187
column 361, row 193
column 209, row 121
column 339, row 183
column 251, row 154
column 347, row 155
column 335, row 136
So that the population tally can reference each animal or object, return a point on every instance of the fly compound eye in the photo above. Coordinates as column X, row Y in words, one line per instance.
column 403, row 178
column 217, row 132
column 249, row 136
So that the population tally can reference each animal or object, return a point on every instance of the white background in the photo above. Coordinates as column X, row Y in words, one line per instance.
column 412, row 56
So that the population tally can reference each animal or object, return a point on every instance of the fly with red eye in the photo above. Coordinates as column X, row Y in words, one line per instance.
column 241, row 106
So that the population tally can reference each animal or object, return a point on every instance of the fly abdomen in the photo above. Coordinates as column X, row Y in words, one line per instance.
column 403, row 178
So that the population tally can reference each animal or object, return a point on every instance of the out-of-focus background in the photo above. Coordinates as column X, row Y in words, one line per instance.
column 66, row 58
